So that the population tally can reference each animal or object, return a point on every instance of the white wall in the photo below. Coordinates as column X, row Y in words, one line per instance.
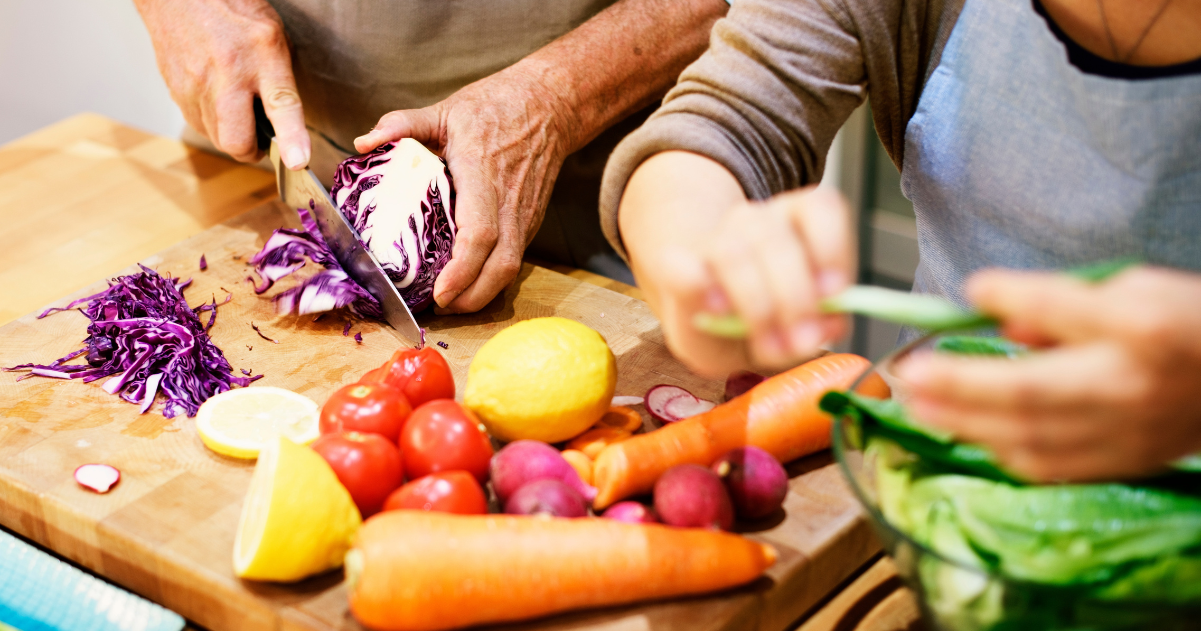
column 62, row 57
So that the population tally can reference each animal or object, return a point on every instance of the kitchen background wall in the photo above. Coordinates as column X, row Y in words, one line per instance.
column 62, row 57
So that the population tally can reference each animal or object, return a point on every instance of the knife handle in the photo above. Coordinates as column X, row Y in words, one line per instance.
column 263, row 130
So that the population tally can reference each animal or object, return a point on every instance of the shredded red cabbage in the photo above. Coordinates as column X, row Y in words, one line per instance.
column 285, row 253
column 145, row 337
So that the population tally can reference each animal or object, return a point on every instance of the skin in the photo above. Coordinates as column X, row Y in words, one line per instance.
column 215, row 56
column 697, row 244
column 1115, row 393
column 504, row 137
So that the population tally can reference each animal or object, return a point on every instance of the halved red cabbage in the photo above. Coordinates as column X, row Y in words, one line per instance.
column 401, row 200
column 147, row 339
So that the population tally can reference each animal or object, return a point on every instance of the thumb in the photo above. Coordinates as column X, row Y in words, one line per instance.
column 423, row 125
column 1039, row 307
column 281, row 102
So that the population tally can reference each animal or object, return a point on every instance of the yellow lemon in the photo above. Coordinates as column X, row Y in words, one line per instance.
column 297, row 519
column 545, row 379
column 239, row 422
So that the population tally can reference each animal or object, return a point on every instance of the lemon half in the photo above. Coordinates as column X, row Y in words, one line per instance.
column 239, row 422
column 545, row 379
column 297, row 519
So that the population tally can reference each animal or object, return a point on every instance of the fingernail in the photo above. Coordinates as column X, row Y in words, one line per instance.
column 295, row 158
column 716, row 301
column 831, row 282
column 805, row 336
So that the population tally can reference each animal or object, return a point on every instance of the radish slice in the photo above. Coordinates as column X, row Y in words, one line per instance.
column 669, row 404
column 684, row 407
column 627, row 401
column 97, row 477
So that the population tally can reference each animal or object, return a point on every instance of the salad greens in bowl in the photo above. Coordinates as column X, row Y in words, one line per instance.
column 985, row 550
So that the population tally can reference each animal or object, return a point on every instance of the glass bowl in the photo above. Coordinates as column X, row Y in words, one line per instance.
column 958, row 595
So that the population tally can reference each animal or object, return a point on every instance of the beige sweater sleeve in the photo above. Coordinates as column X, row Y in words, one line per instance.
column 779, row 79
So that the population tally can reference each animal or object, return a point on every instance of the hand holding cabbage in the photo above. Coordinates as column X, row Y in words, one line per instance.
column 504, row 143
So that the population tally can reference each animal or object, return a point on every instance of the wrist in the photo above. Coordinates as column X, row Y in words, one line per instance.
column 544, row 88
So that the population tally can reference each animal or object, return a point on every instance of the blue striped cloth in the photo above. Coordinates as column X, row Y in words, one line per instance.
column 41, row 593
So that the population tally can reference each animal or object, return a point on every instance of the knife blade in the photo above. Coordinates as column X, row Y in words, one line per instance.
column 299, row 189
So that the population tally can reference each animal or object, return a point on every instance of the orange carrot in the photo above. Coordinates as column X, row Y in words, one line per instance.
column 580, row 462
column 621, row 417
column 593, row 441
column 427, row 571
column 780, row 415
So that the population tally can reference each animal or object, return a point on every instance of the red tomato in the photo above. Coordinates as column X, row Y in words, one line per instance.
column 442, row 436
column 423, row 375
column 375, row 375
column 445, row 492
column 368, row 465
column 372, row 408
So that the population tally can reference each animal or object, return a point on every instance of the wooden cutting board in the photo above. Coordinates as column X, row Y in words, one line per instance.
column 167, row 530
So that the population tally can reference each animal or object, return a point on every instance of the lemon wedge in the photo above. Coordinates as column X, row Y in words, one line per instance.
column 297, row 519
column 545, row 379
column 239, row 422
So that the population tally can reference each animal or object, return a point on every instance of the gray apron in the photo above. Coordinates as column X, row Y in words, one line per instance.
column 1017, row 159
column 355, row 61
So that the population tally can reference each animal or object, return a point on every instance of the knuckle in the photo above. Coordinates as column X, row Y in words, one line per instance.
column 267, row 33
column 508, row 264
column 486, row 236
column 282, row 98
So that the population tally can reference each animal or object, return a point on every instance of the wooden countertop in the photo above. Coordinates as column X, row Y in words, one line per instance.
column 87, row 197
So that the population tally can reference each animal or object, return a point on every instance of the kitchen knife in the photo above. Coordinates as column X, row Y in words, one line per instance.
column 299, row 189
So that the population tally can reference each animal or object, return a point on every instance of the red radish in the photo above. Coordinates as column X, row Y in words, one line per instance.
column 757, row 482
column 740, row 381
column 624, row 400
column 692, row 496
column 669, row 404
column 547, row 497
column 97, row 477
column 631, row 513
column 523, row 461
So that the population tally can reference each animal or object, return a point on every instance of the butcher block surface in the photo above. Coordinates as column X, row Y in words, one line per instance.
column 166, row 531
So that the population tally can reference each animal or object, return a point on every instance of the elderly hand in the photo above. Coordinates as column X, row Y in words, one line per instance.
column 216, row 56
column 504, row 140
column 1116, row 394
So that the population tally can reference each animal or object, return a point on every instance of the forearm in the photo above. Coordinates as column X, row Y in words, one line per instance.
column 675, row 200
column 621, row 60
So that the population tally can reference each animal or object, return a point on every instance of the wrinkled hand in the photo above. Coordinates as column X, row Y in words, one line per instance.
column 1117, row 394
column 504, row 143
column 771, row 263
column 216, row 56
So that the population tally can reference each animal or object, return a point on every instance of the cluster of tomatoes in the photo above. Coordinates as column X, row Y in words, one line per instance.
column 400, row 421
